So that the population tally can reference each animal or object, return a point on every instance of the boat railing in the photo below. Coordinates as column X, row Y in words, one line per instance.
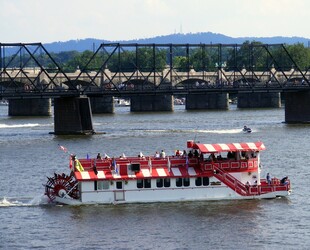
column 100, row 164
column 230, row 181
column 231, row 165
column 244, row 189
column 105, row 164
column 275, row 185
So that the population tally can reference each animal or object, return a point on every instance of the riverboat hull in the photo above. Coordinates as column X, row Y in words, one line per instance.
column 149, row 197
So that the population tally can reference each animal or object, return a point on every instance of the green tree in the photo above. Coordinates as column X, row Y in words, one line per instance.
column 200, row 59
column 181, row 63
column 300, row 55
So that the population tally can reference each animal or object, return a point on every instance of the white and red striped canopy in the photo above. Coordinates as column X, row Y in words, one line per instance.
column 215, row 148
column 162, row 172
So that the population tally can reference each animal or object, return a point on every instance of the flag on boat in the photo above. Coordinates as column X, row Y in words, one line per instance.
column 114, row 165
column 63, row 148
column 79, row 166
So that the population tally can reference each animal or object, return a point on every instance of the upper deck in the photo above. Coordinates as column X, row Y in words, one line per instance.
column 168, row 167
column 234, row 165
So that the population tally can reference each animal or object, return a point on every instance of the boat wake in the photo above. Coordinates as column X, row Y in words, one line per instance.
column 27, row 125
column 216, row 131
column 23, row 201
column 220, row 131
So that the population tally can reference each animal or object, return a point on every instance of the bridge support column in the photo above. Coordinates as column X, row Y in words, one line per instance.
column 102, row 105
column 151, row 103
column 72, row 115
column 30, row 107
column 207, row 101
column 259, row 100
column 297, row 107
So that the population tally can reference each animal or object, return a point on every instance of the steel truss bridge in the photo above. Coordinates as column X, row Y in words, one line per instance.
column 28, row 70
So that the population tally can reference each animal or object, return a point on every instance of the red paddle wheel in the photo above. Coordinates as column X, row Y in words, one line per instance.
column 61, row 185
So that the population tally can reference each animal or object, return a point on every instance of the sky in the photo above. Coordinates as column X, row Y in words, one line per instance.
column 46, row 21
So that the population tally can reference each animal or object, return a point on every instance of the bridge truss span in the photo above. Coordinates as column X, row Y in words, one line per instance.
column 28, row 70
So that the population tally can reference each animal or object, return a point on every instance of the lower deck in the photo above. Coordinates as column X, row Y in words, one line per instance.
column 166, row 190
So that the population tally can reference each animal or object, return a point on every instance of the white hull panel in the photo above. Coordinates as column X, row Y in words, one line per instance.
column 167, row 195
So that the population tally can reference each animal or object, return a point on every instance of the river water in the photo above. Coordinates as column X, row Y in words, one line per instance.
column 28, row 153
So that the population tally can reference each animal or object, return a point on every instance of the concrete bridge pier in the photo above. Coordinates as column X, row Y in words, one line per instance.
column 72, row 115
column 259, row 100
column 30, row 107
column 207, row 101
column 151, row 103
column 102, row 105
column 297, row 107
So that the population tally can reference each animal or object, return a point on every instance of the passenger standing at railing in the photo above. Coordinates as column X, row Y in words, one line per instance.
column 196, row 154
column 162, row 154
column 268, row 178
column 230, row 155
column 157, row 155
column 211, row 157
column 190, row 154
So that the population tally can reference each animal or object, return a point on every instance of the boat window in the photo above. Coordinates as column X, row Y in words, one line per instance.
column 139, row 183
column 159, row 183
column 178, row 182
column 186, row 182
column 198, row 181
column 166, row 182
column 147, row 183
column 205, row 181
column 119, row 185
column 103, row 185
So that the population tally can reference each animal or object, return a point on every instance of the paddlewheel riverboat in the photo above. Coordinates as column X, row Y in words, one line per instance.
column 202, row 172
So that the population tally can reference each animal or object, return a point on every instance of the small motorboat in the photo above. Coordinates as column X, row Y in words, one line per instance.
column 246, row 129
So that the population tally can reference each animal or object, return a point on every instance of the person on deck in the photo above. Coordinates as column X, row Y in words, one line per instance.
column 99, row 156
column 196, row 154
column 190, row 154
column 268, row 178
column 157, row 155
column 212, row 157
column 162, row 154
column 284, row 180
column 230, row 155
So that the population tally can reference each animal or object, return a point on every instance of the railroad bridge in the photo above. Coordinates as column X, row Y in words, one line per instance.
column 151, row 75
